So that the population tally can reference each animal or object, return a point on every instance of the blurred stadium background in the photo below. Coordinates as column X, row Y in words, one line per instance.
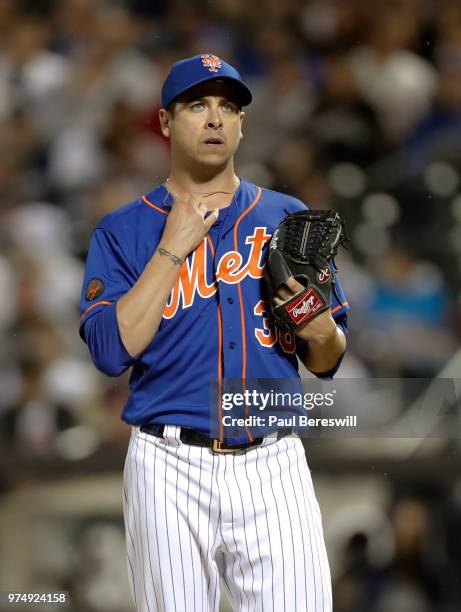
column 357, row 105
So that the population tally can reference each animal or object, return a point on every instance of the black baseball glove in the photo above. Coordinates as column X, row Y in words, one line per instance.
column 302, row 247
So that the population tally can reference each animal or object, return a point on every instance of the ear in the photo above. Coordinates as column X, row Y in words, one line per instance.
column 242, row 117
column 164, row 119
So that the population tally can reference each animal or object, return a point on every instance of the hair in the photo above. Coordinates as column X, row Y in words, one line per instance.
column 171, row 107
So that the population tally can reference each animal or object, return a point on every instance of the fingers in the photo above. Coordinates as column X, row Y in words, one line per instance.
column 211, row 219
column 180, row 204
column 201, row 208
column 193, row 200
column 189, row 200
column 194, row 204
column 293, row 284
column 289, row 288
column 284, row 293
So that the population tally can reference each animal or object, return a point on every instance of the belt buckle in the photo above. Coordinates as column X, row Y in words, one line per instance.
column 218, row 447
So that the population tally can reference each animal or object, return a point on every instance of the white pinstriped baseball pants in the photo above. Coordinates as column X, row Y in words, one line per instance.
column 250, row 518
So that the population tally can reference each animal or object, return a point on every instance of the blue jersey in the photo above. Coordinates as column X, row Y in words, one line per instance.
column 215, row 323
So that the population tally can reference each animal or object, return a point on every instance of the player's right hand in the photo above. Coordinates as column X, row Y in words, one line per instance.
column 187, row 224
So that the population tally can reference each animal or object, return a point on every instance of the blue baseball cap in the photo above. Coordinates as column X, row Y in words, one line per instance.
column 194, row 70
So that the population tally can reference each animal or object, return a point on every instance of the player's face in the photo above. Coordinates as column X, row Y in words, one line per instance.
column 205, row 127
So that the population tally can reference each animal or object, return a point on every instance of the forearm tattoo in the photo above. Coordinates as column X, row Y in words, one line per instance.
column 174, row 258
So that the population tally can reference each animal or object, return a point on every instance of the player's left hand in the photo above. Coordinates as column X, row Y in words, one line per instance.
column 320, row 328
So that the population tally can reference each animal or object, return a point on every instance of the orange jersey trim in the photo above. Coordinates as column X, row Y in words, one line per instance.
column 221, row 426
column 220, row 334
column 336, row 308
column 239, row 289
column 93, row 306
column 157, row 208
column 239, row 286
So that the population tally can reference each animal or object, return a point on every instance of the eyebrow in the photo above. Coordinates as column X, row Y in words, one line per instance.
column 199, row 98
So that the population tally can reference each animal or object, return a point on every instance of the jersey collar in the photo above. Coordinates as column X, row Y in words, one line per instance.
column 163, row 199
column 243, row 198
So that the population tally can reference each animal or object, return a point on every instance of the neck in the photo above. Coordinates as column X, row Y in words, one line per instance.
column 203, row 181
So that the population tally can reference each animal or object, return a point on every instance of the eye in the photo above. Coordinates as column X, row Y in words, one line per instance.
column 228, row 107
column 197, row 106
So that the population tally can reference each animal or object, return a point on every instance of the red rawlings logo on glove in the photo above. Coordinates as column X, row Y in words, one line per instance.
column 305, row 306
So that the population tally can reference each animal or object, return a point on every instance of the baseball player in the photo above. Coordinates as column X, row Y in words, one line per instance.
column 174, row 288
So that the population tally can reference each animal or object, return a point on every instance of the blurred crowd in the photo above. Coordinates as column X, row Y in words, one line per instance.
column 415, row 575
column 357, row 106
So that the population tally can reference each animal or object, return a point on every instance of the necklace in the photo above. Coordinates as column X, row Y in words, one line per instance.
column 204, row 195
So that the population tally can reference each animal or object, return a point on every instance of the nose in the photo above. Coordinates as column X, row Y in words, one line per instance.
column 214, row 119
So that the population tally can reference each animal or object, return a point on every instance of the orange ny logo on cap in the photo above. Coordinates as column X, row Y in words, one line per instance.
column 212, row 62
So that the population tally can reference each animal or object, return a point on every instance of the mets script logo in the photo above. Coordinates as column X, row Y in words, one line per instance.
column 212, row 62
column 231, row 269
column 324, row 275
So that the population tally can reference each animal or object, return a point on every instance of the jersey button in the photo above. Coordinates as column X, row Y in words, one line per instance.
column 230, row 300
column 232, row 345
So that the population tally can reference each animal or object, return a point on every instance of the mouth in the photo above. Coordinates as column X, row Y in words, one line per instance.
column 214, row 141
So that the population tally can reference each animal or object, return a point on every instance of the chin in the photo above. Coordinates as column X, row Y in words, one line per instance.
column 213, row 160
